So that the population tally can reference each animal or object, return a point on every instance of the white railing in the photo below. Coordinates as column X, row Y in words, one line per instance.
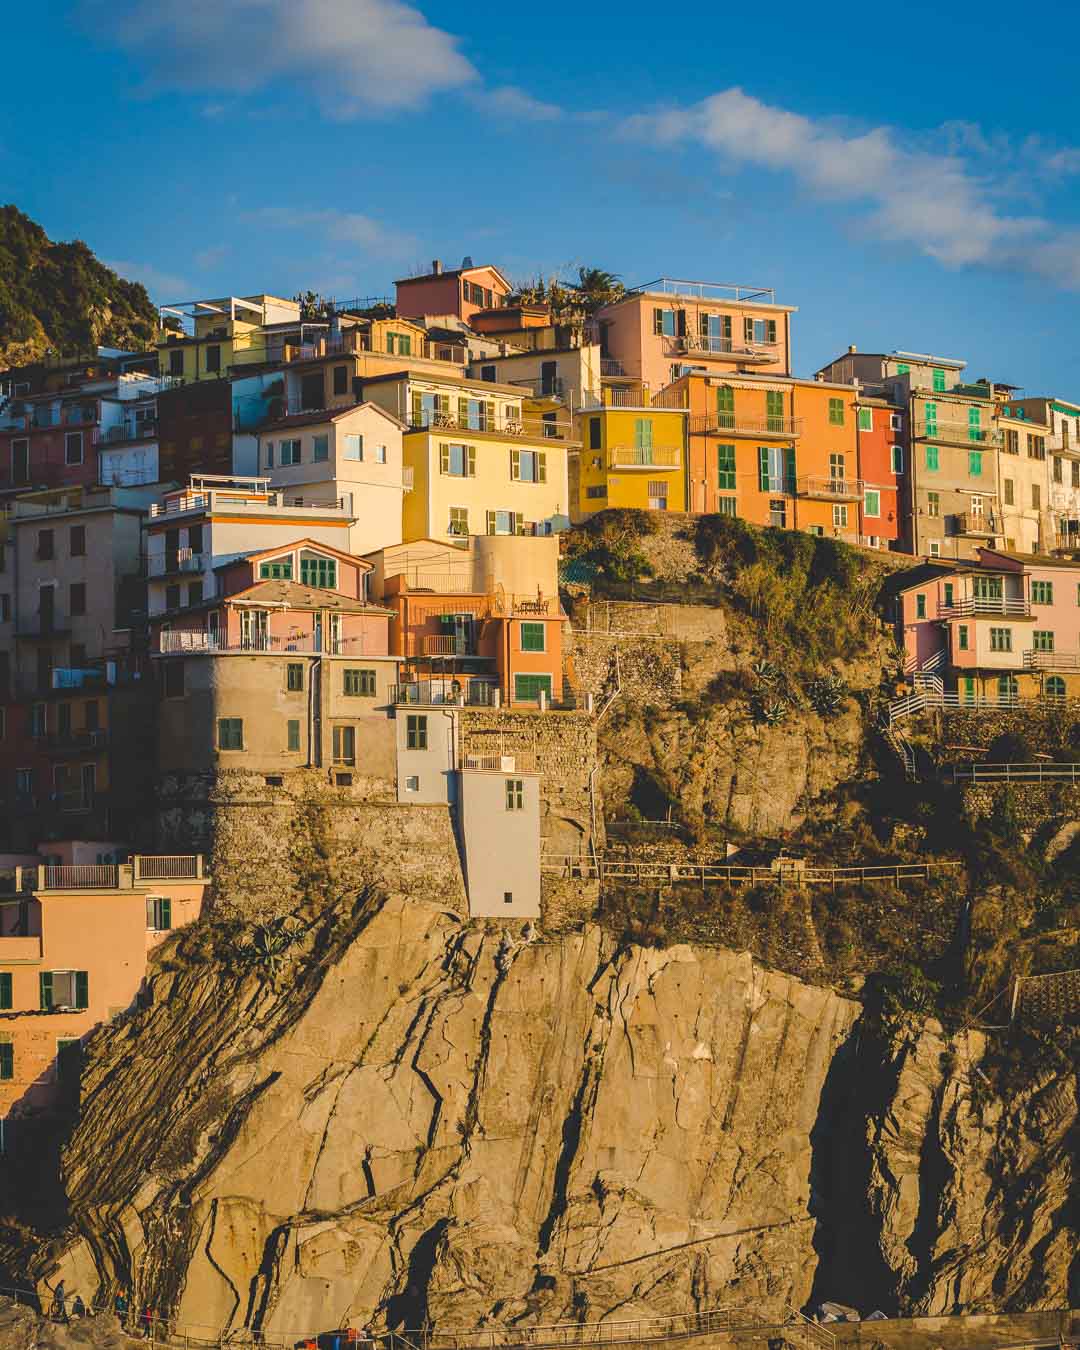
column 721, row 346
column 985, row 772
column 707, row 290
column 921, row 700
column 173, row 642
column 181, row 560
column 644, row 456
column 735, row 424
column 843, row 489
column 957, row 433
column 998, row 606
column 81, row 876
column 491, row 763
column 168, row 867
column 446, row 644
column 1034, row 660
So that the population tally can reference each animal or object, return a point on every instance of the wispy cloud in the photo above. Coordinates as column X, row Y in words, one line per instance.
column 361, row 55
column 163, row 286
column 338, row 227
column 949, row 197
column 508, row 101
column 207, row 258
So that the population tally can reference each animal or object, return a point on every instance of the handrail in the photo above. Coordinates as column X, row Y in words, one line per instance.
column 735, row 424
column 922, row 699
column 1008, row 606
column 985, row 771
column 789, row 870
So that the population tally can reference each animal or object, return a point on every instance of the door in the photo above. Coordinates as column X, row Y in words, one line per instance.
column 335, row 635
column 549, row 379
column 255, row 629
column 968, row 688
column 213, row 629
column 88, row 784
column 317, row 631
column 463, row 628
column 47, row 608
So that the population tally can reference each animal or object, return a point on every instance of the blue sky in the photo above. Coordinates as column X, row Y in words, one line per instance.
column 908, row 176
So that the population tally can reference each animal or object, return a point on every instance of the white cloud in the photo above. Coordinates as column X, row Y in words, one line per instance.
column 207, row 258
column 163, row 286
column 338, row 227
column 358, row 55
column 941, row 196
column 508, row 101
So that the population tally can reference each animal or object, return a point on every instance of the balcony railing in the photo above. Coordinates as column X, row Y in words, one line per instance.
column 1034, row 660
column 142, row 868
column 707, row 290
column 735, row 424
column 447, row 644
column 611, row 369
column 982, row 527
column 460, row 692
column 831, row 489
column 502, row 424
column 141, row 430
column 168, row 867
column 1008, row 606
column 551, row 386
column 218, row 499
column 178, row 561
column 76, row 742
column 175, row 643
column 696, row 345
column 958, row 433
column 644, row 456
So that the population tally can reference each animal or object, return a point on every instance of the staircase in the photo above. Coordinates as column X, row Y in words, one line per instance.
column 902, row 748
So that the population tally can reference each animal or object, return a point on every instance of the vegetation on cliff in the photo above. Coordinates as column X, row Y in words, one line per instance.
column 59, row 297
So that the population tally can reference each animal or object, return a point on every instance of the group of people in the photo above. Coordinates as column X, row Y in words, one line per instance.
column 60, row 1312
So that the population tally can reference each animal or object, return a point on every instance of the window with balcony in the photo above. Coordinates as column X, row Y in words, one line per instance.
column 1001, row 639
column 344, row 745
column 725, row 407
column 759, row 330
column 666, row 322
column 290, row 453
column 230, row 733
column 195, row 593
column 933, row 458
column 533, row 637
column 158, row 913
column 515, row 794
column 1042, row 640
column 416, row 730
column 359, row 683
column 872, row 502
column 176, row 361
column 774, row 410
column 836, row 468
column 321, row 573
column 836, row 412
column 73, row 447
column 725, row 468
column 528, row 466
column 457, row 461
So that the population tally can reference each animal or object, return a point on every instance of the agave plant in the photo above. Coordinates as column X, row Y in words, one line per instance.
column 770, row 711
column 765, row 671
column 827, row 695
column 268, row 945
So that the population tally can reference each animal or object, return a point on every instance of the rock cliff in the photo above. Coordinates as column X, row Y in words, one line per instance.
column 412, row 1118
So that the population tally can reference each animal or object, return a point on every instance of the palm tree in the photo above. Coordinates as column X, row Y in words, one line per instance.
column 598, row 288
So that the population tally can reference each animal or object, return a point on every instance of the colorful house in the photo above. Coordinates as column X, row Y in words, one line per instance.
column 1023, row 480
column 631, row 457
column 460, row 292
column 208, row 339
column 1060, row 424
column 881, row 433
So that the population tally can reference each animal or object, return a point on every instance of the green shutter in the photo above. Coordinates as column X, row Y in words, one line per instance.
column 789, row 458
column 470, row 461
column 82, row 989
column 166, row 912
column 763, row 468
column 45, row 989
column 519, row 523
column 541, row 466
column 417, row 408
column 770, row 329
column 444, row 459
column 5, row 989
column 515, row 463
column 7, row 1061
column 463, row 411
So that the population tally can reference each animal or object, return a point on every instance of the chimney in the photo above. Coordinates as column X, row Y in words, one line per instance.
column 436, row 267
column 852, row 349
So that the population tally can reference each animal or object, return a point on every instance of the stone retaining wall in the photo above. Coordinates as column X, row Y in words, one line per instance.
column 1032, row 804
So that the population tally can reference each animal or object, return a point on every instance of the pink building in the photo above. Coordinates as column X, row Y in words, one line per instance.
column 1002, row 628
column 462, row 292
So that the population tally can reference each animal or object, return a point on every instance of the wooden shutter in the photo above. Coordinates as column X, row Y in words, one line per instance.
column 519, row 523
column 704, row 325
column 515, row 463
column 763, row 468
column 45, row 988
column 770, row 330
column 491, row 522
column 680, row 323
column 658, row 321
column 442, row 403
column 489, row 416
column 417, row 408
column 166, row 912
column 470, row 461
column 444, row 459
column 748, row 330
column 82, row 989
column 541, row 467
column 789, row 457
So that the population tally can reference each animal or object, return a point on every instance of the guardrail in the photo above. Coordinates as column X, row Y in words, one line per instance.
column 644, row 456
column 921, row 700
column 1034, row 660
column 734, row 424
column 790, row 872
column 985, row 772
column 451, row 693
column 830, row 489
column 175, row 642
column 957, row 433
column 1007, row 607
column 168, row 866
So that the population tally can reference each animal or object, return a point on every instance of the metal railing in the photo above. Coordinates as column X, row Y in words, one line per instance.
column 957, row 433
column 966, row 522
column 611, row 369
column 168, row 866
column 735, row 424
column 503, row 424
column 172, row 642
column 986, row 772
column 644, row 456
column 234, row 500
column 704, row 871
column 838, row 489
column 1007, row 606
column 441, row 583
column 142, row 429
column 75, row 741
column 721, row 346
column 922, row 700
column 462, row 691
column 80, row 876
column 1034, row 660
column 180, row 560
column 447, row 644
column 706, row 290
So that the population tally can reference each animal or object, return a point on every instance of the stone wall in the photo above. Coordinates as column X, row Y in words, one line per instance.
column 1031, row 804
column 958, row 730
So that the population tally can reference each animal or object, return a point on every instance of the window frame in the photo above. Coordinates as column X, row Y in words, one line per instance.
column 534, row 628
column 514, row 798
column 233, row 723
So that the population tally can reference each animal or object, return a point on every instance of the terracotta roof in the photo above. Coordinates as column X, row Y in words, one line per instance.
column 295, row 595
column 319, row 415
column 1033, row 559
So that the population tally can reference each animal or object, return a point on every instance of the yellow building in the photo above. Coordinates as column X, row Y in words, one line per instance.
column 631, row 457
column 206, row 339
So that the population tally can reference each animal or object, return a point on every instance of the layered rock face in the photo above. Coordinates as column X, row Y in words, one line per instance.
column 422, row 1120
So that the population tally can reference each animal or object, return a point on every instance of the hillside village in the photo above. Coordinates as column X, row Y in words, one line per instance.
column 513, row 611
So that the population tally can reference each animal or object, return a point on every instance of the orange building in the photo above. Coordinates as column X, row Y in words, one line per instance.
column 74, row 939
column 460, row 292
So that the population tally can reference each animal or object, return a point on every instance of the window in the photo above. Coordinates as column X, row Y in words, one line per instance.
column 294, row 676
column 505, row 522
column 77, row 599
column 77, row 541
column 896, row 421
column 1011, row 445
column 7, row 1058
column 289, row 453
column 195, row 593
column 528, row 466
column 213, row 360
column 68, row 1059
column 950, row 592
column 725, row 506
column 158, row 913
column 725, row 407
column 1008, row 492
column 344, row 745
column 975, row 424
column 269, row 457
column 600, row 491
column 1042, row 640
column 360, row 683
column 459, row 461
column 230, row 732
column 725, row 467
column 778, row 514
column 528, row 688
column 657, row 495
column 5, row 608
column 933, row 458
column 962, row 637
column 20, row 461
column 533, row 637
column 320, row 449
column 836, row 412
column 1054, row 687
column 930, row 413
column 1008, row 689
column 515, row 794
column 774, row 410
column 172, row 597
column 872, row 502
column 938, row 380
column 664, row 322
column 73, row 447
column 412, row 783
column 341, row 379
column 176, row 361
column 1036, row 496
column 5, row 990
column 643, row 433
column 318, row 572
column 1059, row 476
column 776, row 468
column 866, row 419
column 933, row 503
column 1076, row 473
column 172, row 679
column 759, row 330
column 594, row 433
column 63, row 989
column 896, row 458
column 459, row 521
column 935, row 548
column 1036, row 446
column 380, row 454
column 354, row 446
column 416, row 731
column 44, row 545
column 839, row 517
column 1001, row 639
column 90, row 714
column 920, row 606
column 281, row 570
column 293, row 735
column 976, row 506
column 975, row 461
column 1042, row 592
column 836, row 468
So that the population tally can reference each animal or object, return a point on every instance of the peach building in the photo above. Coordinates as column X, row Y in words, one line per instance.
column 659, row 331
column 460, row 292
column 74, row 939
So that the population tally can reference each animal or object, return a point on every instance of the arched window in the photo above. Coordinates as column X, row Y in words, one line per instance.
column 1054, row 687
column 1008, row 690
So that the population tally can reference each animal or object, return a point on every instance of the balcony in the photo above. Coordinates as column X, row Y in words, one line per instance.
column 1034, row 660
column 551, row 386
column 178, row 562
column 957, row 433
column 735, row 424
column 462, row 691
column 996, row 607
column 142, row 870
column 830, row 489
column 707, row 290
column 447, row 644
column 76, row 742
column 37, row 629
column 198, row 643
column 611, row 369
column 142, row 430
column 975, row 526
column 763, row 353
column 250, row 503
column 644, row 457
column 501, row 424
